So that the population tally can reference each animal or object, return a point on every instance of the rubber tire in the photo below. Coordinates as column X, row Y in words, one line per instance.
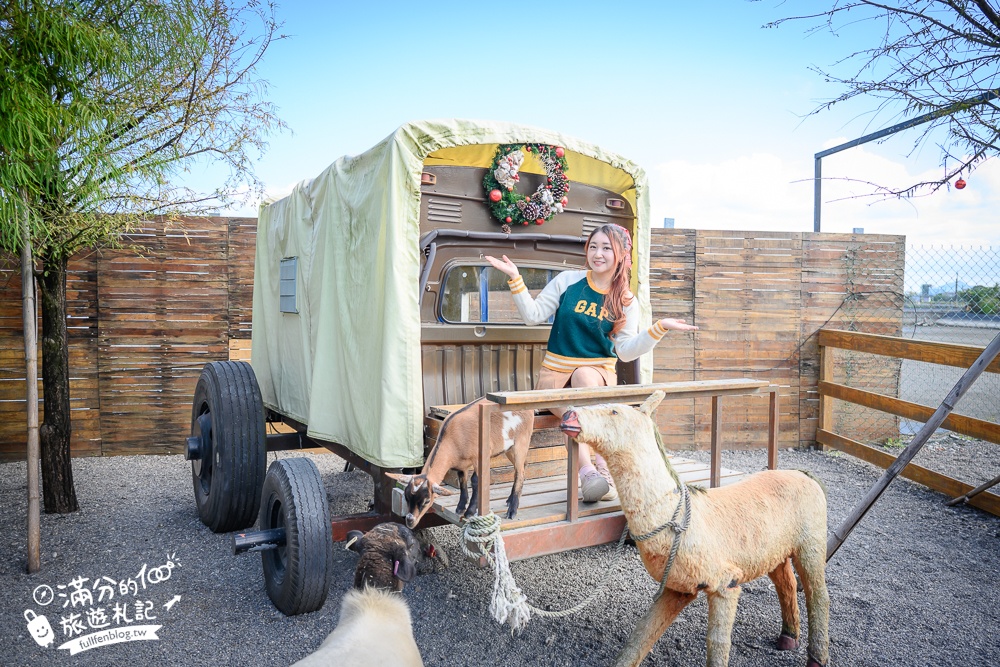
column 298, row 575
column 227, row 484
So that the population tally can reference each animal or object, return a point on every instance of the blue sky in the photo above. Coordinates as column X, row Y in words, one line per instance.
column 712, row 105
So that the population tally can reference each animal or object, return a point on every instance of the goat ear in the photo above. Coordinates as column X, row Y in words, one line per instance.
column 402, row 565
column 651, row 403
column 399, row 477
column 441, row 491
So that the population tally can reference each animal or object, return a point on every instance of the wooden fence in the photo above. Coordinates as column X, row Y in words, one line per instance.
column 758, row 299
column 143, row 326
column 833, row 391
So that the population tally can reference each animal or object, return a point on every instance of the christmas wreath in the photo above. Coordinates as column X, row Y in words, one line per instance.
column 510, row 207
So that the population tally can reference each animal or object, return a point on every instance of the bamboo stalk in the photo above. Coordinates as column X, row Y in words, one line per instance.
column 975, row 492
column 30, row 322
column 947, row 405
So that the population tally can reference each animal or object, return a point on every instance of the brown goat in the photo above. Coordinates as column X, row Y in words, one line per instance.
column 761, row 525
column 457, row 449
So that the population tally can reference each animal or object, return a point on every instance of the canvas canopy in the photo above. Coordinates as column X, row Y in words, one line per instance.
column 348, row 362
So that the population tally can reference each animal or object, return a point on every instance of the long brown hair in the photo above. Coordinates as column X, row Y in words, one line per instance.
column 618, row 295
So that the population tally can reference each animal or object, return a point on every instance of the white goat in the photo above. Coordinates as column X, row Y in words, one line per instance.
column 374, row 631
column 761, row 525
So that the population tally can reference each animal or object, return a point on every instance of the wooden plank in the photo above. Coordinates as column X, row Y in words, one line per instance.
column 624, row 393
column 946, row 354
column 716, row 450
column 970, row 426
column 825, row 375
column 572, row 478
column 559, row 537
column 933, row 480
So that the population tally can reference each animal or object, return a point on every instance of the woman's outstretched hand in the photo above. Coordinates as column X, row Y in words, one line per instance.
column 504, row 266
column 677, row 325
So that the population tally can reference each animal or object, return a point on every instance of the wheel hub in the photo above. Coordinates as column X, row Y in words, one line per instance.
column 200, row 449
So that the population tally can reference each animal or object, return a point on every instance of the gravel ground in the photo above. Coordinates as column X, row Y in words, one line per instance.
column 914, row 584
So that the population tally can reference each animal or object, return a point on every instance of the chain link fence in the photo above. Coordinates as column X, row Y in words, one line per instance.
column 952, row 296
column 942, row 294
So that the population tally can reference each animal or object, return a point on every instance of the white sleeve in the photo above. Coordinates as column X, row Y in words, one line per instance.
column 630, row 343
column 539, row 309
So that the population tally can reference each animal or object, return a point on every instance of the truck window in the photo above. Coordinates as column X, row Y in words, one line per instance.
column 481, row 294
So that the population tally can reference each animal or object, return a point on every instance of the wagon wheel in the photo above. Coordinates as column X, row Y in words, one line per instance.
column 297, row 575
column 227, row 447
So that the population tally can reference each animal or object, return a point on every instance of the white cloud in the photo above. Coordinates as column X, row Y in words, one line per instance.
column 763, row 192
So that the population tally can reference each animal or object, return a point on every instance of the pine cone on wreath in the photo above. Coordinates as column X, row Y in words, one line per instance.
column 531, row 211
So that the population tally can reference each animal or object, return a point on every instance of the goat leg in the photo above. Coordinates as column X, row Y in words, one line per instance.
column 811, row 565
column 721, row 614
column 514, row 500
column 783, row 578
column 651, row 626
column 473, row 508
column 463, row 495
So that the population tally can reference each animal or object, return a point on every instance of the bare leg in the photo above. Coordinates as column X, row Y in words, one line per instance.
column 651, row 627
column 721, row 614
column 784, row 584
column 586, row 377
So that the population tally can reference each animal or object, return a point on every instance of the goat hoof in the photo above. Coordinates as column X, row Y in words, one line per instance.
column 786, row 642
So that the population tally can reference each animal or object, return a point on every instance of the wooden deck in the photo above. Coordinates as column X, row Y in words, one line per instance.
column 547, row 521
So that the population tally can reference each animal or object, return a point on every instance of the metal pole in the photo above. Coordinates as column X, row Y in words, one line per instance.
column 898, row 127
column 949, row 403
column 817, row 193
column 30, row 322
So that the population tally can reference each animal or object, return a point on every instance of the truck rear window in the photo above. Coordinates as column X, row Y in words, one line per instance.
column 480, row 294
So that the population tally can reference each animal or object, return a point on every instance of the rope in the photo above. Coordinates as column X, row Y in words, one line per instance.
column 678, row 528
column 508, row 603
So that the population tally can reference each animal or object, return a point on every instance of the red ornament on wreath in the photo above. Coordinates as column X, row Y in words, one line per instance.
column 510, row 207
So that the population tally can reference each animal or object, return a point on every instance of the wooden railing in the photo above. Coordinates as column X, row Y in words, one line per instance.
column 627, row 394
column 960, row 356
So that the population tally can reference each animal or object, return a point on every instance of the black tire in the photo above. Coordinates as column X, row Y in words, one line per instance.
column 298, row 575
column 228, row 416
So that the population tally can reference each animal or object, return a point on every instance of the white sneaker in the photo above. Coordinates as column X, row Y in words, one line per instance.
column 594, row 487
column 612, row 492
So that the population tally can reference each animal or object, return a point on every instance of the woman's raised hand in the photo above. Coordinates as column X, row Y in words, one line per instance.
column 504, row 266
column 677, row 325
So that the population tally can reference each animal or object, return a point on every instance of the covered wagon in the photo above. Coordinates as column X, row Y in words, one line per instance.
column 373, row 308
